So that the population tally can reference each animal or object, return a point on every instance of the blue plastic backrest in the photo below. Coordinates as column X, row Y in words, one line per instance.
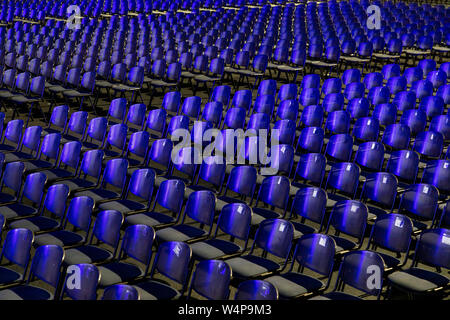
column 33, row 188
column 201, row 206
column 137, row 242
column 17, row 246
column 172, row 260
column 56, row 198
column 392, row 231
column 79, row 212
column 275, row 236
column 12, row 178
column 316, row 252
column 89, row 276
column 235, row 220
column 350, row 217
column 107, row 227
column 212, row 279
column 46, row 264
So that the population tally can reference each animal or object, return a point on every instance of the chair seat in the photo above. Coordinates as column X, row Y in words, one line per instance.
column 37, row 164
column 62, row 238
column 57, row 173
column 336, row 296
column 6, row 198
column 161, row 83
column 292, row 284
column 389, row 261
column 261, row 214
column 286, row 68
column 414, row 52
column 25, row 292
column 386, row 56
column 441, row 48
column 343, row 244
column 58, row 89
column 124, row 87
column 118, row 272
column 36, row 224
column 156, row 290
column 8, row 276
column 75, row 93
column 271, row 65
column 301, row 229
column 124, row 206
column 417, row 280
column 187, row 74
column 17, row 156
column 22, row 99
column 86, row 254
column 323, row 64
column 251, row 266
column 214, row 248
column 98, row 194
column 203, row 78
column 151, row 219
column 7, row 147
column 16, row 210
column 355, row 59
column 250, row 73
column 103, row 84
column 181, row 232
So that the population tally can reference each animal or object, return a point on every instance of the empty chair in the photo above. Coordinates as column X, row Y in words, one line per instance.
column 343, row 177
column 234, row 220
column 120, row 292
column 211, row 280
column 338, row 122
column 89, row 277
column 45, row 266
column 358, row 108
column 172, row 261
column 415, row 119
column 333, row 102
column 137, row 243
column 420, row 202
column 366, row 129
column 310, row 168
column 432, row 105
column 396, row 136
column 379, row 192
column 437, row 173
column 187, row 232
column 340, row 147
column 312, row 116
column 314, row 252
column 429, row 144
column 273, row 236
column 354, row 272
column 441, row 124
column 392, row 233
column 432, row 250
column 256, row 290
column 370, row 156
column 310, row 140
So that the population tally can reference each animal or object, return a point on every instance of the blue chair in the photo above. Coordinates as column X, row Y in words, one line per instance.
column 432, row 105
column 314, row 252
column 89, row 277
column 274, row 192
column 120, row 292
column 140, row 187
column 358, row 108
column 357, row 270
column 170, row 197
column 310, row 168
column 343, row 177
column 354, row 90
column 286, row 131
column 45, row 266
column 234, row 220
column 396, row 136
column 379, row 192
column 115, row 174
column 13, row 134
column 391, row 232
column 172, row 261
column 370, row 156
column 333, row 102
column 69, row 158
column 264, row 104
column 17, row 251
column 338, row 122
column 156, row 123
column 385, row 113
column 441, row 124
column 106, row 230
column 432, row 250
column 340, row 147
column 348, row 217
column 78, row 216
column 54, row 203
column 429, row 144
column 211, row 280
column 241, row 180
column 404, row 100
column 211, row 171
column 205, row 217
column 287, row 92
column 136, row 244
column 312, row 116
column 33, row 190
column 273, row 236
column 437, row 173
column 12, row 179
column 30, row 144
column 415, row 119
column 366, row 129
column 256, row 290
column 350, row 76
column 212, row 112
column 420, row 203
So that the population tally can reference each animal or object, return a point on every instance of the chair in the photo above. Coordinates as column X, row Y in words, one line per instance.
column 139, row 188
column 234, row 220
column 88, row 277
column 429, row 144
column 436, row 173
column 396, row 136
column 30, row 144
column 366, row 129
column 420, row 202
column 211, row 280
column 433, row 250
column 256, row 290
column 333, row 102
column 348, row 217
column 16, row 250
column 340, row 147
column 274, row 191
column 370, row 156
column 106, row 231
column 391, row 232
column 171, row 261
column 136, row 244
column 441, row 124
column 170, row 197
column 55, row 204
column 343, row 177
column 45, row 266
column 415, row 119
column 69, row 158
column 314, row 252
column 273, row 236
column 241, row 180
column 33, row 190
column 120, row 292
column 362, row 270
column 115, row 174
